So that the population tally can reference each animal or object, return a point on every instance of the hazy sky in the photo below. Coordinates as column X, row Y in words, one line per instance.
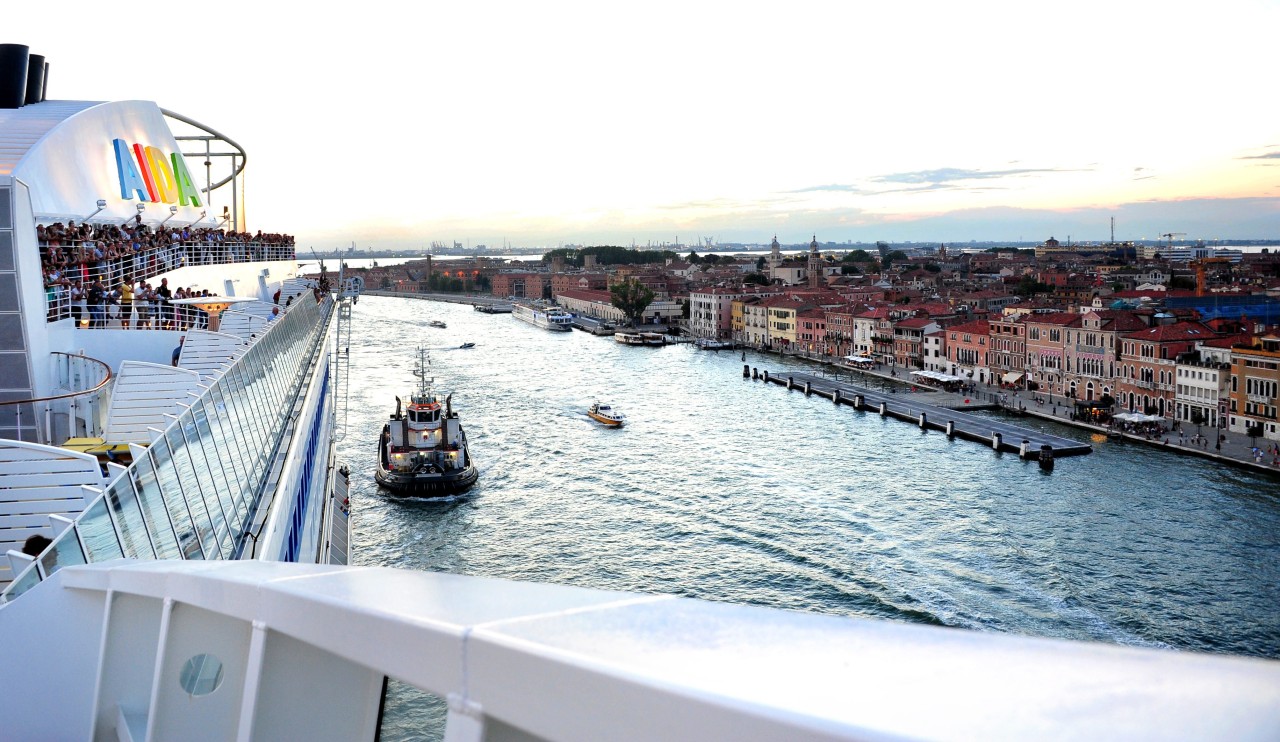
column 396, row 124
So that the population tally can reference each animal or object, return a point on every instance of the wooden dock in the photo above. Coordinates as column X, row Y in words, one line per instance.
column 999, row 434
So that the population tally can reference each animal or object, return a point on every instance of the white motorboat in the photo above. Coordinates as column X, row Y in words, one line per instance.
column 607, row 415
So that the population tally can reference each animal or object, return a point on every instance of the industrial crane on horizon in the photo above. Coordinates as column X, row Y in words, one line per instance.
column 1171, row 235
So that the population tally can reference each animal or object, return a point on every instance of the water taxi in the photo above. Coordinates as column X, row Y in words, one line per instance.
column 607, row 415
column 629, row 338
column 436, row 323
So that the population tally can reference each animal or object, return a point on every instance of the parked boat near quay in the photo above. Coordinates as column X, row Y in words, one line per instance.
column 546, row 316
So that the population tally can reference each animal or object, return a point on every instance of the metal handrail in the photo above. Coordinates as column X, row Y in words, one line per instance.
column 68, row 395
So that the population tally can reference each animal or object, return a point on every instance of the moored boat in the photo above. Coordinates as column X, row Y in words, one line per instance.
column 713, row 344
column 629, row 338
column 423, row 450
column 607, row 415
column 546, row 316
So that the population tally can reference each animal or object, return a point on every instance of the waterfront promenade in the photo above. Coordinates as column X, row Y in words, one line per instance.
column 1235, row 449
column 932, row 411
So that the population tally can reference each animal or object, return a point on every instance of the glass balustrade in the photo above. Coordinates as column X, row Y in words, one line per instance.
column 192, row 492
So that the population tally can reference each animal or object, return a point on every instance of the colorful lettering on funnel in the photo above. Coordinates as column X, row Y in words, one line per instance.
column 148, row 174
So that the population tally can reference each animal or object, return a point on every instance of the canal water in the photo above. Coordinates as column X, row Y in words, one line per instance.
column 730, row 490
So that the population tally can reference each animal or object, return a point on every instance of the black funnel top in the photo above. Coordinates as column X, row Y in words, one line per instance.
column 13, row 74
column 35, row 79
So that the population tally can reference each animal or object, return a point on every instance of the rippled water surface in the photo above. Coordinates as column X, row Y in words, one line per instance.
column 731, row 490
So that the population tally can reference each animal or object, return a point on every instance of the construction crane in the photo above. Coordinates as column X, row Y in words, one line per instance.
column 1171, row 235
column 1199, row 264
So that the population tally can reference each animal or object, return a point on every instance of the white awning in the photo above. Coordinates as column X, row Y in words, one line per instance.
column 859, row 359
column 936, row 376
column 1012, row 377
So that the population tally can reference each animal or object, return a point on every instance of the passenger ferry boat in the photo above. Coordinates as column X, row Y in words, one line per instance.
column 423, row 450
column 629, row 338
column 652, row 339
column 607, row 415
column 548, row 317
column 713, row 344
column 169, row 605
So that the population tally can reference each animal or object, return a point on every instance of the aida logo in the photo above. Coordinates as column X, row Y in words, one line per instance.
column 146, row 171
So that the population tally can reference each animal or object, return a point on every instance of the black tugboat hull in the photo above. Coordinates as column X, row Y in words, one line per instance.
column 428, row 485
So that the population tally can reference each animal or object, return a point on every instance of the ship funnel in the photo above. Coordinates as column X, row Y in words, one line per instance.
column 35, row 79
column 13, row 74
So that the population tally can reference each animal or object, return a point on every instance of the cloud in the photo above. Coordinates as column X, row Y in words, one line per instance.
column 951, row 174
column 834, row 187
column 1267, row 156
column 922, row 188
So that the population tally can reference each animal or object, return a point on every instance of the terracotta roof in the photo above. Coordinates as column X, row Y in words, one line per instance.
column 1120, row 321
column 1176, row 331
column 1065, row 319
column 977, row 327
column 784, row 302
column 916, row 323
column 587, row 295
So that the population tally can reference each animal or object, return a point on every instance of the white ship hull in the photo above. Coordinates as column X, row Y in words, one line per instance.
column 553, row 319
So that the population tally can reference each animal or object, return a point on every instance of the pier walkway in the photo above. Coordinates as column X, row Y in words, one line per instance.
column 917, row 409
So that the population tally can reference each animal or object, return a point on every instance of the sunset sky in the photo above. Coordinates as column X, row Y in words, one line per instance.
column 396, row 124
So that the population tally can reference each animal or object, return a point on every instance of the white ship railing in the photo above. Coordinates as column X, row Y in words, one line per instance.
column 264, row 651
column 77, row 408
column 192, row 492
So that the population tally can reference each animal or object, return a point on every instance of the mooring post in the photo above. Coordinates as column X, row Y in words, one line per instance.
column 924, row 420
column 951, row 428
column 765, row 375
column 835, row 397
column 791, row 382
column 746, row 371
column 808, row 389
column 859, row 401
column 1024, row 448
column 996, row 439
column 884, row 409
column 1046, row 457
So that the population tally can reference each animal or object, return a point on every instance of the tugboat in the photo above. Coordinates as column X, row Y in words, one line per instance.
column 423, row 451
column 606, row 415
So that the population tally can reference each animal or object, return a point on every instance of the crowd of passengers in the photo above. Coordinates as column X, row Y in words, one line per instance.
column 84, row 252
column 141, row 305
